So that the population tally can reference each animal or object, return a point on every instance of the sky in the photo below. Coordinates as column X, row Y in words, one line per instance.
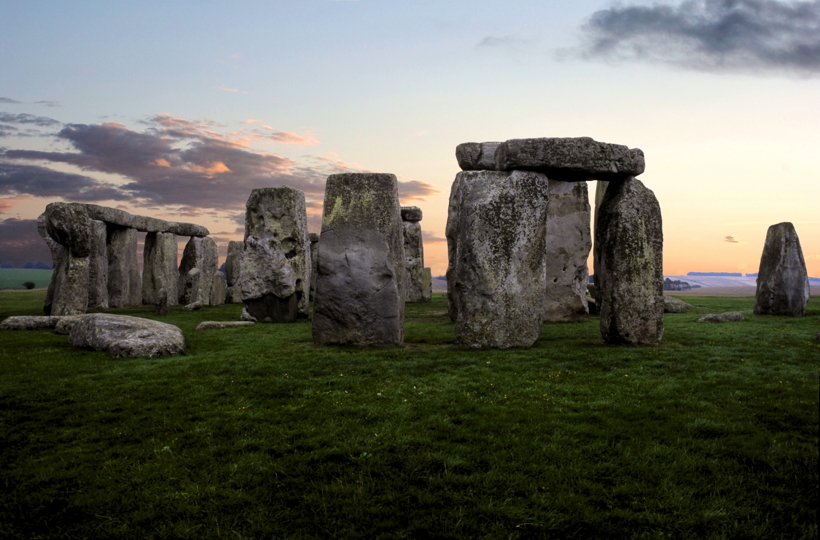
column 178, row 109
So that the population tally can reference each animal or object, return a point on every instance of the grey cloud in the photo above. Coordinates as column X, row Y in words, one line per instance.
column 9, row 100
column 711, row 35
column 20, row 242
column 24, row 118
column 17, row 179
column 503, row 41
column 430, row 237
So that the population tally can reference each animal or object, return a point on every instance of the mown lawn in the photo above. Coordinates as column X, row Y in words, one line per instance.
column 257, row 433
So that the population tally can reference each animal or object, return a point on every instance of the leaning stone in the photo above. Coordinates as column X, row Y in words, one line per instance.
column 124, row 282
column 411, row 213
column 233, row 262
column 200, row 254
column 568, row 244
column 629, row 264
column 570, row 159
column 25, row 322
column 427, row 286
column 729, row 316
column 360, row 287
column 209, row 325
column 496, row 234
column 275, row 268
column 413, row 261
column 219, row 290
column 160, row 271
column 473, row 156
column 193, row 306
column 121, row 336
column 98, row 266
column 782, row 282
column 674, row 305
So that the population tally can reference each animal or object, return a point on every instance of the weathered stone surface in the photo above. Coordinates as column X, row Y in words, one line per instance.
column 159, row 268
column 674, row 305
column 163, row 302
column 68, row 224
column 275, row 269
column 729, row 316
column 98, row 266
column 570, row 159
column 629, row 264
column 782, row 281
column 209, row 325
column 70, row 286
column 314, row 263
column 427, row 286
column 115, row 216
column 29, row 323
column 360, row 286
column 197, row 269
column 219, row 289
column 64, row 324
column 496, row 235
column 473, row 156
column 247, row 317
column 233, row 262
column 411, row 213
column 122, row 336
column 413, row 261
column 57, row 251
column 124, row 282
column 193, row 306
column 568, row 243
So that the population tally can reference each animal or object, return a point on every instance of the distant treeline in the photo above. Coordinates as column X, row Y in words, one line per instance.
column 28, row 265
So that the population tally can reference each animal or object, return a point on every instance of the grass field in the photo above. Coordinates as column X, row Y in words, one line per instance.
column 257, row 433
column 13, row 278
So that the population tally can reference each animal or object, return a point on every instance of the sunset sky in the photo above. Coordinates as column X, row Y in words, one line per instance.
column 178, row 109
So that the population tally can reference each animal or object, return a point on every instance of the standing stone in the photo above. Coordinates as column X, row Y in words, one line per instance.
column 124, row 284
column 314, row 262
column 197, row 269
column 57, row 253
column 219, row 289
column 629, row 264
column 782, row 281
column 568, row 245
column 413, row 253
column 360, row 287
column 496, row 236
column 233, row 264
column 427, row 286
column 97, row 266
column 68, row 224
column 162, row 302
column 159, row 268
column 275, row 269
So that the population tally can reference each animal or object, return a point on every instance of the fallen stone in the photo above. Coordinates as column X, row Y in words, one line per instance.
column 674, row 305
column 197, row 270
column 209, row 325
column 360, row 286
column 496, row 235
column 473, row 156
column 193, row 306
column 729, row 316
column 568, row 244
column 124, row 281
column 122, row 336
column 275, row 269
column 629, row 264
column 25, row 322
column 65, row 324
column 160, row 270
column 571, row 159
column 782, row 281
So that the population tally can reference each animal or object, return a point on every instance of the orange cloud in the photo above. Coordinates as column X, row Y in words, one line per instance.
column 161, row 162
column 231, row 90
column 731, row 239
column 212, row 169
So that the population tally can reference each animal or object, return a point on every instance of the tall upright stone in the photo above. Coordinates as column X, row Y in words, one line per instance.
column 197, row 268
column 233, row 264
column 568, row 245
column 68, row 225
column 782, row 281
column 97, row 265
column 496, row 240
column 413, row 253
column 314, row 263
column 629, row 263
column 159, row 268
column 427, row 286
column 57, row 252
column 360, row 286
column 275, row 268
column 124, row 283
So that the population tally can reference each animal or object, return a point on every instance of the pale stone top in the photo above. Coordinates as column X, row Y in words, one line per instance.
column 115, row 216
column 411, row 213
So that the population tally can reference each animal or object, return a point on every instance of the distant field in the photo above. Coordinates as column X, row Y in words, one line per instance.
column 13, row 278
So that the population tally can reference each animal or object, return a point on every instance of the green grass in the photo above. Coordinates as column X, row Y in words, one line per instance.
column 13, row 278
column 257, row 433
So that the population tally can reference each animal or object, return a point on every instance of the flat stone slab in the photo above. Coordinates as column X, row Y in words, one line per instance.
column 122, row 336
column 472, row 156
column 570, row 159
column 411, row 213
column 115, row 216
column 24, row 322
column 729, row 316
column 209, row 325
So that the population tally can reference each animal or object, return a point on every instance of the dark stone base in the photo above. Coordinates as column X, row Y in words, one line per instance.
column 271, row 308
